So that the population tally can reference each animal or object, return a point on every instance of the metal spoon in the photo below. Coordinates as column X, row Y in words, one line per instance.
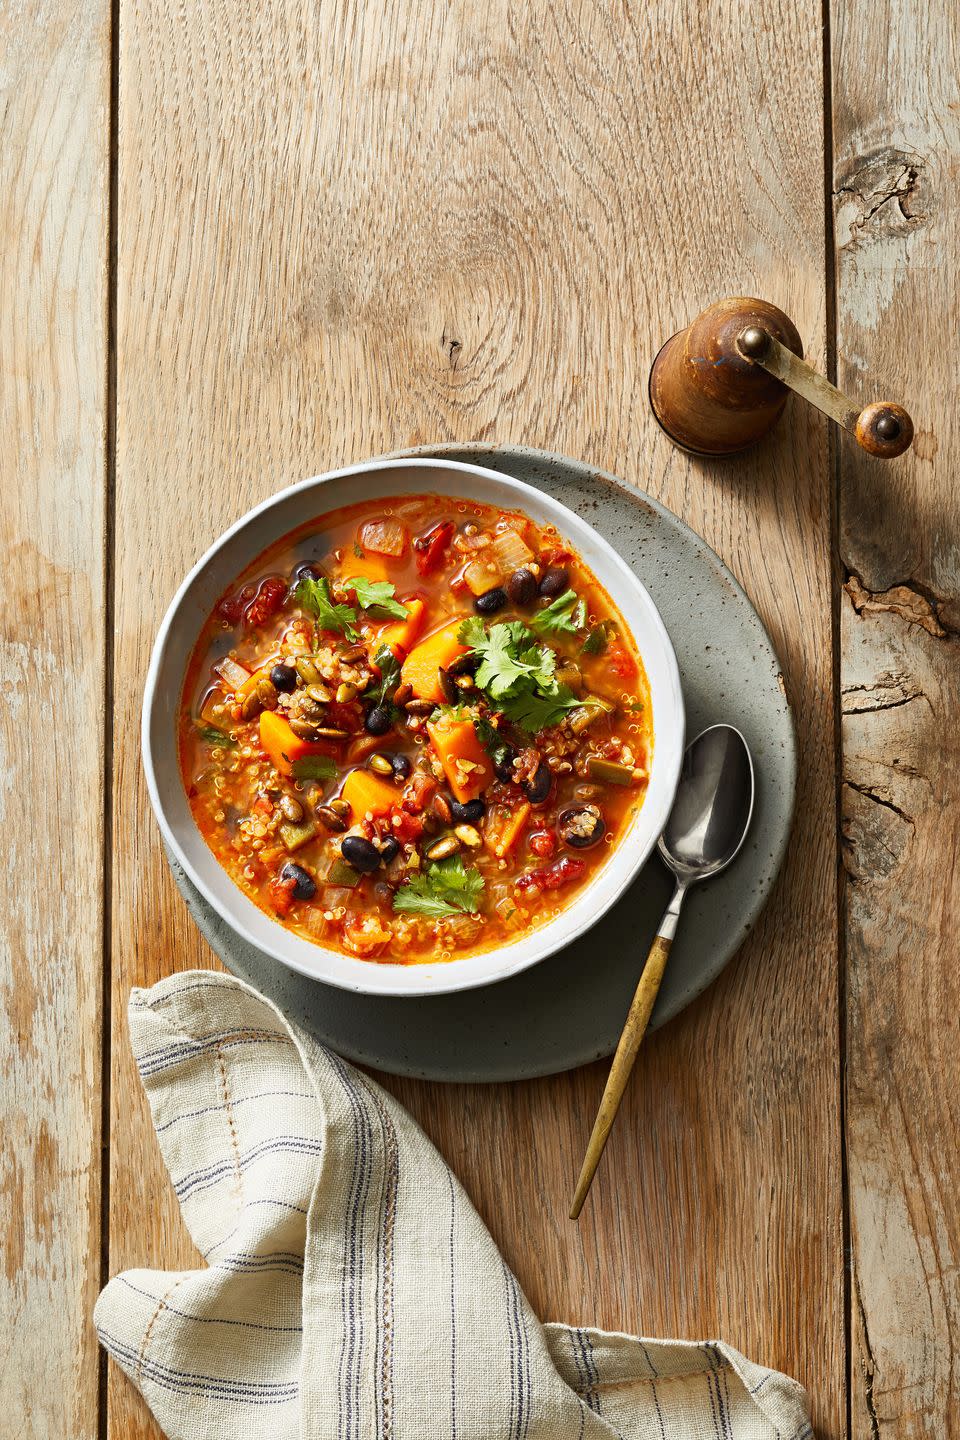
column 707, row 826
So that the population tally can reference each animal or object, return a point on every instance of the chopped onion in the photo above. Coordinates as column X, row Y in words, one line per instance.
column 511, row 552
column 482, row 575
column 384, row 537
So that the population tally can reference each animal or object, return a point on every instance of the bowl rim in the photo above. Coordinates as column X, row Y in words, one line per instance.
column 431, row 977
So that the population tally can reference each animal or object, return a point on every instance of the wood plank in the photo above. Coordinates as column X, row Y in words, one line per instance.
column 54, row 177
column 897, row 139
column 346, row 230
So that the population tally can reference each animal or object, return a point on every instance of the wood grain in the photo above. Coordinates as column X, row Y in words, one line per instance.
column 54, row 104
column 343, row 229
column 897, row 134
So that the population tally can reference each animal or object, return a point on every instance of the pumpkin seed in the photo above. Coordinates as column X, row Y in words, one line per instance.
column 346, row 693
column 306, row 729
column 380, row 764
column 330, row 820
column 307, row 670
column 446, row 845
column 469, row 835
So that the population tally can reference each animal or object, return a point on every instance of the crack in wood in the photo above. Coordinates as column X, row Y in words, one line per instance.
column 869, row 794
column 884, row 187
column 913, row 602
column 869, row 1365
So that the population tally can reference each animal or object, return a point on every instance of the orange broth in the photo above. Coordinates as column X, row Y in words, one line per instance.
column 413, row 783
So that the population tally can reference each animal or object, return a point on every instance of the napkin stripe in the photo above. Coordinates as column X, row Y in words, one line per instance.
column 656, row 1400
column 453, row 1309
column 169, row 1056
column 245, row 1392
column 519, row 1361
column 209, row 1319
column 234, row 1102
column 209, row 1175
column 347, row 1305
column 386, row 1230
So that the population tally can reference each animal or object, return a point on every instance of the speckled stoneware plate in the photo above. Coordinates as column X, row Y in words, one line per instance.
column 569, row 1009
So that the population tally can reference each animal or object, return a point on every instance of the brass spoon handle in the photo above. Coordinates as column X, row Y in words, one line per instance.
column 623, row 1061
column 882, row 429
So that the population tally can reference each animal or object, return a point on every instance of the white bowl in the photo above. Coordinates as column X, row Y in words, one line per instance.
column 216, row 572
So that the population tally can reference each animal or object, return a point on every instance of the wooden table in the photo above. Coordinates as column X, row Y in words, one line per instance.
column 245, row 243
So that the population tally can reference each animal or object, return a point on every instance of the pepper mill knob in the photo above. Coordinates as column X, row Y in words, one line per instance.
column 720, row 385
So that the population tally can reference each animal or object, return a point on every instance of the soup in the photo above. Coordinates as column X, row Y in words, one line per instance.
column 415, row 730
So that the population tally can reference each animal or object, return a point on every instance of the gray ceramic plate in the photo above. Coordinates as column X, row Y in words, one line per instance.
column 569, row 1009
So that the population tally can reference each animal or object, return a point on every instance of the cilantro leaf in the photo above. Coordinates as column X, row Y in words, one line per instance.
column 447, row 887
column 377, row 596
column 358, row 549
column 472, row 633
column 389, row 667
column 558, row 618
column 313, row 767
column 213, row 736
column 314, row 595
column 517, row 674
column 535, row 710
column 510, row 656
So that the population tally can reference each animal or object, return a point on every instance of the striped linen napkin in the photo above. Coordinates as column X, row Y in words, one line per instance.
column 350, row 1290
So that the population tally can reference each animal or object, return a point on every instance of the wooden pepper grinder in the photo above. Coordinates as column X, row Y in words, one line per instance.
column 720, row 385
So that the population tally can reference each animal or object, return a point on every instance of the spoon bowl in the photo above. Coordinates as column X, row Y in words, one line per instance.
column 713, row 805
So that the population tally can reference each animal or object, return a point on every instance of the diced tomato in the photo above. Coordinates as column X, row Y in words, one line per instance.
column 429, row 549
column 405, row 826
column 543, row 843
column 564, row 872
column 418, row 793
column 269, row 599
column 231, row 607
column 281, row 894
column 620, row 660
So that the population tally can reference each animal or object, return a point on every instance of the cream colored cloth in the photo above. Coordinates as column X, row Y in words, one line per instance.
column 350, row 1290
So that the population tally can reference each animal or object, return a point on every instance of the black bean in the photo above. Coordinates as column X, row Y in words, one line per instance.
column 538, row 787
column 360, row 854
column 304, row 885
column 283, row 677
column 378, row 720
column 401, row 766
column 580, row 826
column 491, row 601
column 389, row 849
column 468, row 812
column 522, row 587
column 555, row 581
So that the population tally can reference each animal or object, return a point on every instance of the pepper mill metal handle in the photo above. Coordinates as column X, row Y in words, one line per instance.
column 720, row 385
